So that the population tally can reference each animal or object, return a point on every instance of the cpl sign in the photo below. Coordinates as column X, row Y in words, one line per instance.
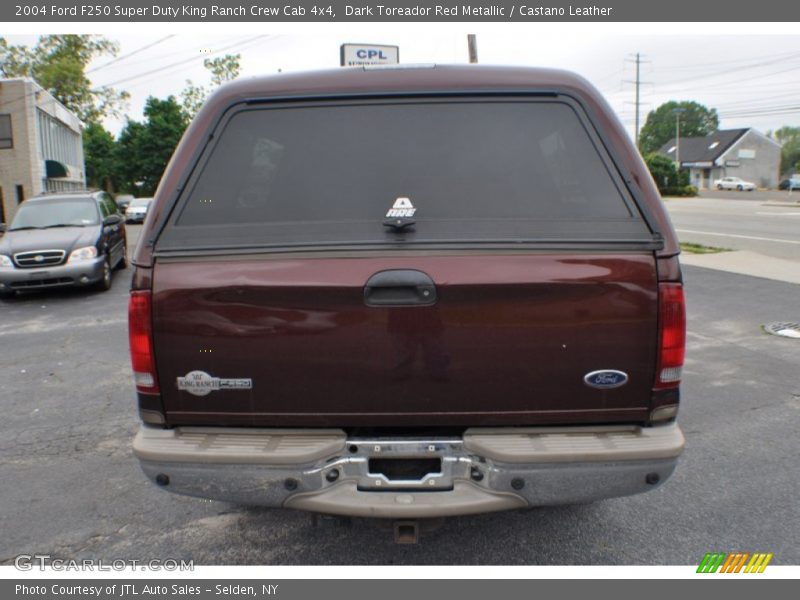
column 354, row 55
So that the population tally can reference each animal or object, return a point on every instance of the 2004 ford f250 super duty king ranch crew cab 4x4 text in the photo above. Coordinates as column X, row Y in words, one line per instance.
column 407, row 293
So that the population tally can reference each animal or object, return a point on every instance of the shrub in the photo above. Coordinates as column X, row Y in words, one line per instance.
column 669, row 181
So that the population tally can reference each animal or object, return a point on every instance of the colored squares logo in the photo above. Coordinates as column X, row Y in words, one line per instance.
column 735, row 562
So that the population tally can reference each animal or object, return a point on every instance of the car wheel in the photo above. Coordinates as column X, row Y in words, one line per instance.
column 105, row 283
column 7, row 294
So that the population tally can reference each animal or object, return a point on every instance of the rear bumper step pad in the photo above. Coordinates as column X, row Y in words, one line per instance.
column 486, row 470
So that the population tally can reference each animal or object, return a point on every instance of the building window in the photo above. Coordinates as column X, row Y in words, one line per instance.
column 57, row 141
column 20, row 194
column 6, row 139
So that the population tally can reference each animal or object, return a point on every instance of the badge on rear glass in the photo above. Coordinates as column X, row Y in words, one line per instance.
column 401, row 209
column 200, row 383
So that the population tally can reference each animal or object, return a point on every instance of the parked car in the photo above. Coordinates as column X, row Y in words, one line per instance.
column 409, row 301
column 137, row 210
column 123, row 201
column 734, row 183
column 790, row 183
column 62, row 239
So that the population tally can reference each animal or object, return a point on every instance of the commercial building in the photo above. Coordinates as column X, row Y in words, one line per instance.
column 41, row 146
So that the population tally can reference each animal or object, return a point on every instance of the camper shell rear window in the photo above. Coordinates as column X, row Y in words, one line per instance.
column 481, row 170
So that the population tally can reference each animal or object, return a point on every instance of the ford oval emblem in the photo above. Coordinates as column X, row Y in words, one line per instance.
column 605, row 379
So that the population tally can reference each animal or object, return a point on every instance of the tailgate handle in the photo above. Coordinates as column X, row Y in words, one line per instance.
column 400, row 287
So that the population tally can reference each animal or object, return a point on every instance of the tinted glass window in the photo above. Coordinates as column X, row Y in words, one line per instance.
column 109, row 204
column 50, row 213
column 471, row 171
column 103, row 208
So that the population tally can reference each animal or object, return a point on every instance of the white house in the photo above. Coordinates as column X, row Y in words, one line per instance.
column 744, row 153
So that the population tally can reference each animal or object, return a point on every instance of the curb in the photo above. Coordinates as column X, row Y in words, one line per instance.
column 782, row 204
column 746, row 262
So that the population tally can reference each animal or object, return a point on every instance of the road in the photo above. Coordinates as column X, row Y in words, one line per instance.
column 763, row 195
column 739, row 223
column 71, row 487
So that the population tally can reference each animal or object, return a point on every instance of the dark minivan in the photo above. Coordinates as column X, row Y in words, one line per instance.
column 407, row 293
column 63, row 239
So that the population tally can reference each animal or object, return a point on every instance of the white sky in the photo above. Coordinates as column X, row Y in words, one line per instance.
column 752, row 79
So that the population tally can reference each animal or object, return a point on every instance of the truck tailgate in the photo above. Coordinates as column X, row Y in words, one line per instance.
column 508, row 340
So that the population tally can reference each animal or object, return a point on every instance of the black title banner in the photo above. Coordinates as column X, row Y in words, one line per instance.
column 397, row 11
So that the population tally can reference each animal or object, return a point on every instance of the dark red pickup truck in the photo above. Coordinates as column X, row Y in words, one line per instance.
column 406, row 293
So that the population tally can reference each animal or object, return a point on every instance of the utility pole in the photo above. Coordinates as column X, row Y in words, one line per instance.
column 638, row 83
column 638, row 63
column 472, row 44
column 677, row 112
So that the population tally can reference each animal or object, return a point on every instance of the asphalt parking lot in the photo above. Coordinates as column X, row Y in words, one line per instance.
column 72, row 489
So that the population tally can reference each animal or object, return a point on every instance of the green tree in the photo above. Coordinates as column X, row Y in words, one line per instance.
column 789, row 139
column 668, row 180
column 222, row 69
column 58, row 63
column 144, row 149
column 696, row 120
column 99, row 149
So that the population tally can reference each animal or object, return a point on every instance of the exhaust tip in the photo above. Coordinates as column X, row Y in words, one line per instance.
column 162, row 480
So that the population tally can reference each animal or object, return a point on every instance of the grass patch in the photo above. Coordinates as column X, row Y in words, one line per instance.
column 701, row 249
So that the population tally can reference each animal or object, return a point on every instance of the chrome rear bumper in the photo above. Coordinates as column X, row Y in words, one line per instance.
column 485, row 470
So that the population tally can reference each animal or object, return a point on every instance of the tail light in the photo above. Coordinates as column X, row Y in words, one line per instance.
column 140, row 333
column 672, row 335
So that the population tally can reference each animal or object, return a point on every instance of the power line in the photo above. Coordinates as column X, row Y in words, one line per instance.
column 776, row 110
column 129, row 54
column 103, row 66
column 242, row 44
column 179, row 63
column 179, row 52
column 771, row 111
column 756, row 102
column 616, row 73
column 776, row 57
column 246, row 45
column 736, row 81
